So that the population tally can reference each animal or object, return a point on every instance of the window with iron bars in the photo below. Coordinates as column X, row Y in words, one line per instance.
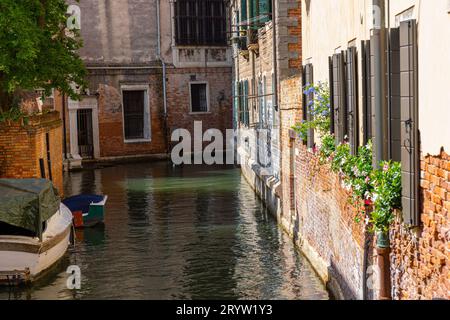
column 200, row 22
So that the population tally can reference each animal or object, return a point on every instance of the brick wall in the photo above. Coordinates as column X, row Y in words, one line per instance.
column 220, row 112
column 290, row 112
column 323, row 226
column 22, row 145
column 420, row 259
column 110, row 113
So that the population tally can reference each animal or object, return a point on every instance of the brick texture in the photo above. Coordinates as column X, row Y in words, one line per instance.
column 324, row 220
column 22, row 145
column 420, row 259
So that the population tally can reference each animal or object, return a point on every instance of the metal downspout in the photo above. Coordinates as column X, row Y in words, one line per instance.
column 161, row 59
column 381, row 135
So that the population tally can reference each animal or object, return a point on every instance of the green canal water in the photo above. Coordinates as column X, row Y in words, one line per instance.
column 192, row 232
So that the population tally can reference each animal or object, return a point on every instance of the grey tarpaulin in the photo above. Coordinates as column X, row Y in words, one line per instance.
column 27, row 203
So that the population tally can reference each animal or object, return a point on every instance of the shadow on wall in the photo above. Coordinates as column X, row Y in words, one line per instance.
column 337, row 285
column 308, row 6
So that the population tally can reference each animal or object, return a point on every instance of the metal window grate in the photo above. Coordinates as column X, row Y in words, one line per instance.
column 133, row 109
column 199, row 100
column 200, row 22
column 85, row 135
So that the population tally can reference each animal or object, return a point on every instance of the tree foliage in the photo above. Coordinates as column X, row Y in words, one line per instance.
column 37, row 50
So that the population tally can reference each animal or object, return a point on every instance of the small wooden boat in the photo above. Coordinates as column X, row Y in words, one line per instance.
column 35, row 229
column 87, row 210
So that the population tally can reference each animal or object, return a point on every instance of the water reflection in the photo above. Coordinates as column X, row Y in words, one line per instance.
column 186, row 233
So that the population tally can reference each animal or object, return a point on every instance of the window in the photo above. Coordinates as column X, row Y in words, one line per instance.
column 260, row 11
column 308, row 100
column 200, row 22
column 244, row 115
column 136, row 115
column 199, row 97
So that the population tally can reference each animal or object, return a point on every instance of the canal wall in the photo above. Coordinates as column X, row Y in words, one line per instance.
column 323, row 226
column 24, row 144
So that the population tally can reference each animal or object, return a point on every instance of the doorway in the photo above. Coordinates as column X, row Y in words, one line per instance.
column 85, row 133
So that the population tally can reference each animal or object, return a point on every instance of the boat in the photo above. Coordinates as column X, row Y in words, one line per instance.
column 87, row 210
column 35, row 229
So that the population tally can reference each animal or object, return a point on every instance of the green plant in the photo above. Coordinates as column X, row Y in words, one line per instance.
column 37, row 50
column 14, row 114
column 341, row 159
column 387, row 190
column 327, row 148
column 319, row 110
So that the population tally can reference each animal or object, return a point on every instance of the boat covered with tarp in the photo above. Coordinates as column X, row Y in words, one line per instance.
column 35, row 229
column 88, row 209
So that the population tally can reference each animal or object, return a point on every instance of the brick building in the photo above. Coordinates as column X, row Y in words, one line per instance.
column 335, row 42
column 154, row 66
column 342, row 44
column 33, row 149
column 266, row 54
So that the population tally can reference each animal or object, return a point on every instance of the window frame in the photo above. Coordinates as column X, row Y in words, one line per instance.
column 208, row 106
column 147, row 114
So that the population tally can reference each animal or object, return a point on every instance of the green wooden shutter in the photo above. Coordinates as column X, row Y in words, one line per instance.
column 331, row 84
column 244, row 14
column 265, row 10
column 409, row 122
column 246, row 111
column 352, row 100
column 366, row 92
column 395, row 105
column 254, row 8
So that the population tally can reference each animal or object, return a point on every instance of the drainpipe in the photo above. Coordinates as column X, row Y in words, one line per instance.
column 64, row 125
column 164, row 71
column 274, row 54
column 380, row 148
column 275, row 72
column 379, row 33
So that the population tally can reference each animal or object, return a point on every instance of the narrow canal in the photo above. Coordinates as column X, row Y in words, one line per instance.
column 178, row 233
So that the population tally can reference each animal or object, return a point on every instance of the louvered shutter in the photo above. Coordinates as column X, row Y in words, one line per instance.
column 331, row 84
column 394, row 112
column 304, row 102
column 366, row 92
column 409, row 122
column 246, row 111
column 310, row 99
column 352, row 100
column 265, row 9
column 373, row 123
column 343, row 111
column 336, row 98
column 253, row 8
column 244, row 13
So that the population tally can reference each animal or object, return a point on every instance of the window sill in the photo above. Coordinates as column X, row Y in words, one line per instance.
column 137, row 141
column 199, row 113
